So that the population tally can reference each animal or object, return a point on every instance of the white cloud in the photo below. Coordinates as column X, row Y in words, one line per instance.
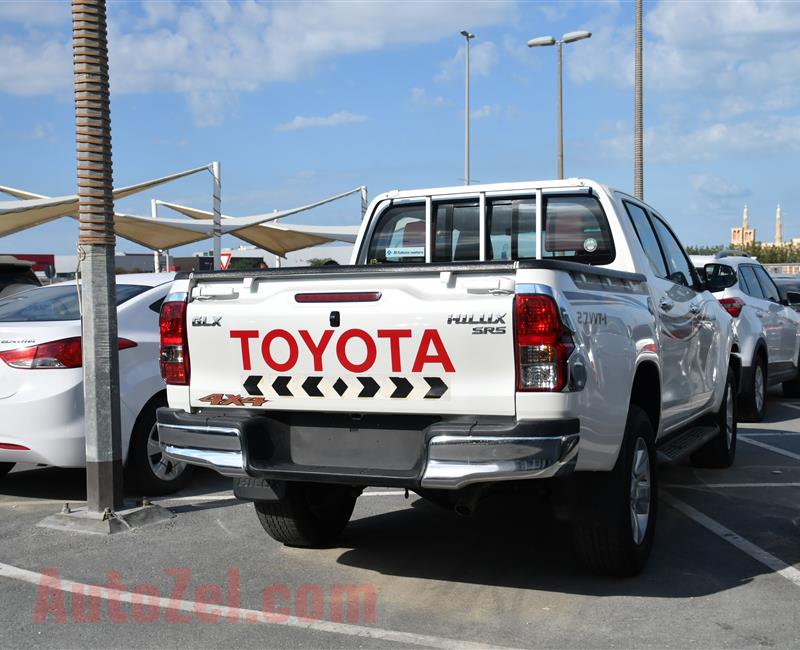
column 486, row 111
column 421, row 97
column 212, row 51
column 35, row 13
column 335, row 119
column 482, row 58
column 737, row 48
column 677, row 143
column 714, row 186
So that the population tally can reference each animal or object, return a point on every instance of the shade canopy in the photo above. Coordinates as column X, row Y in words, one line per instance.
column 34, row 209
column 160, row 234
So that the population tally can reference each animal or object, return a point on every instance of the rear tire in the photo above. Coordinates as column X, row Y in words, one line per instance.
column 752, row 403
column 620, row 543
column 309, row 515
column 720, row 451
column 148, row 469
column 5, row 468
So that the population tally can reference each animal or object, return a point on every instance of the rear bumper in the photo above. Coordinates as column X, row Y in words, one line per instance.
column 403, row 451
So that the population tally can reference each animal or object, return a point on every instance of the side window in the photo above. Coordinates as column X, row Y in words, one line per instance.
column 647, row 238
column 456, row 228
column 752, row 287
column 767, row 285
column 574, row 228
column 511, row 225
column 680, row 271
column 399, row 236
column 156, row 306
column 743, row 286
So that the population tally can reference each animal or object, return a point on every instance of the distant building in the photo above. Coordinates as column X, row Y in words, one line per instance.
column 779, row 241
column 744, row 235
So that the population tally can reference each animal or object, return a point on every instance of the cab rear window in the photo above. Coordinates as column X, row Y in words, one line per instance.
column 574, row 228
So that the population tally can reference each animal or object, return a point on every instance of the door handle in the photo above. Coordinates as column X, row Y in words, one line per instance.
column 694, row 307
column 666, row 304
column 760, row 314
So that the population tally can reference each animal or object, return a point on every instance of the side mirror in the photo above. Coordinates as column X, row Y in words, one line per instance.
column 793, row 298
column 719, row 277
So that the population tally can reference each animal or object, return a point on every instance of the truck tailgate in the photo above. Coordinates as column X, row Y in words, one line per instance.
column 421, row 342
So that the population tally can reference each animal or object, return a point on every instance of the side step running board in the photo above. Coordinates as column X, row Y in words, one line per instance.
column 685, row 443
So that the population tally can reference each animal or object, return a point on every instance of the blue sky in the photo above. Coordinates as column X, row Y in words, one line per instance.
column 303, row 100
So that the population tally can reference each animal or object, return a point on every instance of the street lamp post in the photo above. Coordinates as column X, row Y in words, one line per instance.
column 468, row 36
column 569, row 37
column 638, row 154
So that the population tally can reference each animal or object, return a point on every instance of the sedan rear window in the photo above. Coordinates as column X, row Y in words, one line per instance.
column 54, row 303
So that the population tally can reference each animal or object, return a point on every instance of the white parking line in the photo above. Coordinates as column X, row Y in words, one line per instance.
column 722, row 486
column 755, row 552
column 167, row 501
column 237, row 613
column 771, row 434
column 764, row 445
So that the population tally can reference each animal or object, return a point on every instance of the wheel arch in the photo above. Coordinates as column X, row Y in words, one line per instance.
column 643, row 395
column 159, row 398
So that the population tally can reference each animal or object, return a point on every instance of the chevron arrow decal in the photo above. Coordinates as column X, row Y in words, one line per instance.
column 412, row 387
column 370, row 386
column 251, row 385
column 403, row 387
column 281, row 386
column 311, row 387
column 438, row 388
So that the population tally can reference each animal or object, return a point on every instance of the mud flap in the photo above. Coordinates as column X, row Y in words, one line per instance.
column 248, row 488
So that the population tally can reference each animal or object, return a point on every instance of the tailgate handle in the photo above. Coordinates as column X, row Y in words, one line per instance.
column 502, row 287
column 212, row 292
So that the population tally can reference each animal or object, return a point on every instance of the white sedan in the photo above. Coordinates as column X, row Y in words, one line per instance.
column 41, row 380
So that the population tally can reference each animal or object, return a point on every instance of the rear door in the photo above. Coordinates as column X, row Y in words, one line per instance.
column 767, row 313
column 679, row 307
column 704, row 343
column 785, row 324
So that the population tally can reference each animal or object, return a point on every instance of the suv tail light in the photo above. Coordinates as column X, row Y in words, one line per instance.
column 174, row 349
column 543, row 344
column 64, row 353
column 732, row 305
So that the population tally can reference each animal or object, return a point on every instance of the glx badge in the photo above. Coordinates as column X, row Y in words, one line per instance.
column 207, row 321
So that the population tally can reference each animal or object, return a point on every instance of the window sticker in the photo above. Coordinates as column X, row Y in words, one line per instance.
column 590, row 244
column 405, row 251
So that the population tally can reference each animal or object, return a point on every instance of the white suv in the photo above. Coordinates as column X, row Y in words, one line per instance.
column 767, row 331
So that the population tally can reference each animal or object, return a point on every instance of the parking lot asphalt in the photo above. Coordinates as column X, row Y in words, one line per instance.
column 725, row 570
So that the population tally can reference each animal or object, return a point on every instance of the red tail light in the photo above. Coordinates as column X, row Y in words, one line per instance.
column 543, row 344
column 732, row 305
column 174, row 349
column 65, row 353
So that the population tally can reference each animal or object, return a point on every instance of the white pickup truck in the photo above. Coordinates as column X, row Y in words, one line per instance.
column 544, row 336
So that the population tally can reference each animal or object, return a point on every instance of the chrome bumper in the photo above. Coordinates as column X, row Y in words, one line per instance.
column 456, row 461
column 448, row 461
column 219, row 448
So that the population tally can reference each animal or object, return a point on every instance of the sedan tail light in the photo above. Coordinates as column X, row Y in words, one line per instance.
column 732, row 305
column 543, row 344
column 175, row 368
column 64, row 353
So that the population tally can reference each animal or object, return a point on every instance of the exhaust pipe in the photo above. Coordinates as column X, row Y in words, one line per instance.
column 467, row 503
